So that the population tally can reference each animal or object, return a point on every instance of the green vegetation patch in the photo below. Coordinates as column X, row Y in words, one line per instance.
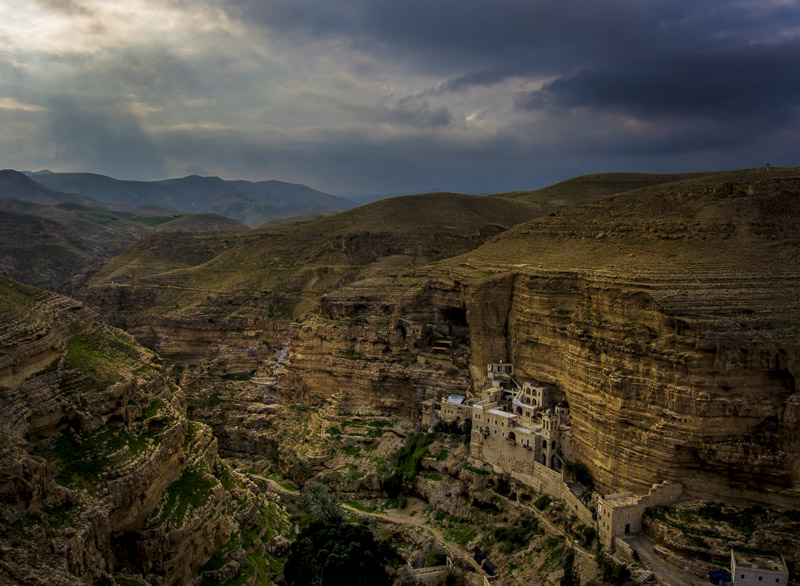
column 84, row 459
column 153, row 220
column 52, row 367
column 222, row 555
column 542, row 502
column 99, row 354
column 359, row 506
column 455, row 529
column 191, row 491
column 511, row 537
column 14, row 296
column 238, row 376
column 338, row 553
column 408, row 462
column 152, row 409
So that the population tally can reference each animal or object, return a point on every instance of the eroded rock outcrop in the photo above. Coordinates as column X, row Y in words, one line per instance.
column 101, row 474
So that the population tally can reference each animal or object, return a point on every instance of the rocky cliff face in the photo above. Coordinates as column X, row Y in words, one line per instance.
column 673, row 335
column 101, row 474
column 652, row 395
column 668, row 316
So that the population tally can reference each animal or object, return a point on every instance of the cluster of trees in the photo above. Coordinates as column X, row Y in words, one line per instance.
column 330, row 551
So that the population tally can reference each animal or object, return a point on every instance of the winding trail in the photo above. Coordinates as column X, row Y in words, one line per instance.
column 666, row 573
column 455, row 550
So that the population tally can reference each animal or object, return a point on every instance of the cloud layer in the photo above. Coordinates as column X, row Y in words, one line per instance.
column 358, row 96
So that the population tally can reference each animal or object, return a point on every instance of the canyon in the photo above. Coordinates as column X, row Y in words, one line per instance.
column 667, row 315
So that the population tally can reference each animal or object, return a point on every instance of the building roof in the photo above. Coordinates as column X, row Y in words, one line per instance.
column 456, row 399
column 773, row 563
column 522, row 429
column 501, row 413
column 623, row 499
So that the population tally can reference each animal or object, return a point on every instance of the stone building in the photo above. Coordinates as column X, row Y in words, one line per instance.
column 515, row 428
column 758, row 570
column 621, row 514
column 499, row 371
column 454, row 408
column 524, row 430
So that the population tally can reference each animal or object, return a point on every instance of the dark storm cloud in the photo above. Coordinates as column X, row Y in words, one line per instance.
column 92, row 135
column 439, row 36
column 366, row 95
column 408, row 111
column 741, row 84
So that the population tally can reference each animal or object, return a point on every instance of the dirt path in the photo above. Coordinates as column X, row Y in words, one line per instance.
column 666, row 573
column 455, row 550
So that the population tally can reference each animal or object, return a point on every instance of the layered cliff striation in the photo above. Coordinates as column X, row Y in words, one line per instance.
column 668, row 315
column 101, row 474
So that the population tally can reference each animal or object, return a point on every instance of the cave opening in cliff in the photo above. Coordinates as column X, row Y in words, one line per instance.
column 454, row 316
column 126, row 551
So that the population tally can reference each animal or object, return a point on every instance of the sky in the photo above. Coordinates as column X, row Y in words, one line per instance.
column 381, row 96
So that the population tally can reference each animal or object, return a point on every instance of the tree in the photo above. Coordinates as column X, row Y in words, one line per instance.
column 332, row 554
column 320, row 505
column 571, row 575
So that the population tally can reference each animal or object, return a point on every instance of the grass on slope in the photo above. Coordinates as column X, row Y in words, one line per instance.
column 202, row 223
column 588, row 187
column 722, row 246
column 15, row 298
column 304, row 260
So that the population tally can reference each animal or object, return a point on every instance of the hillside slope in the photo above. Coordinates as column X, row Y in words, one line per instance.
column 42, row 252
column 102, row 477
column 290, row 266
column 20, row 186
column 46, row 244
column 589, row 187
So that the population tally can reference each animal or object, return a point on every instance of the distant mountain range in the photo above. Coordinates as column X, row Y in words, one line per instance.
column 246, row 201
column 46, row 235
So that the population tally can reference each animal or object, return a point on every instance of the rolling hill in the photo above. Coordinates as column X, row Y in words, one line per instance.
column 292, row 265
column 20, row 186
column 42, row 252
column 588, row 187
column 249, row 202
